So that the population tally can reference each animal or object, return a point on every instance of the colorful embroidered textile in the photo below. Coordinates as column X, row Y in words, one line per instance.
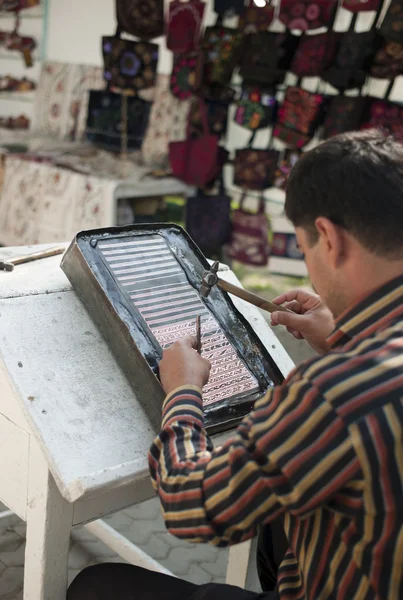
column 129, row 65
column 307, row 14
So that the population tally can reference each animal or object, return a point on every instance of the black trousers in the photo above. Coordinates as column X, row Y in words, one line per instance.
column 114, row 581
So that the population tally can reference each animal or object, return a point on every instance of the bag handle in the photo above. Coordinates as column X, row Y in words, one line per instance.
column 376, row 22
column 389, row 89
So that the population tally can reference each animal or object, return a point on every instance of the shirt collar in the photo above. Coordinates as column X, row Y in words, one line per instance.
column 369, row 314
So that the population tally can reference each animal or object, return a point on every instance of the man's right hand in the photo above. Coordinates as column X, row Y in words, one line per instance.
column 312, row 320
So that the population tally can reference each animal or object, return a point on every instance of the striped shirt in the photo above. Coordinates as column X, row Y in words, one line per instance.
column 325, row 449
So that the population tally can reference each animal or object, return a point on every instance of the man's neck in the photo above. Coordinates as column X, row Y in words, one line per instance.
column 369, row 274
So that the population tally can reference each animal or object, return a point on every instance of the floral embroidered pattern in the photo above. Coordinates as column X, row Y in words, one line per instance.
column 254, row 169
column 184, row 73
column 314, row 54
column 256, row 108
column 384, row 115
column 250, row 236
column 221, row 47
column 307, row 14
column 256, row 18
column 129, row 65
column 392, row 25
column 300, row 110
column 142, row 18
column 388, row 61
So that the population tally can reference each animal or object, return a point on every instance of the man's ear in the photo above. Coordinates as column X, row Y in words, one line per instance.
column 332, row 239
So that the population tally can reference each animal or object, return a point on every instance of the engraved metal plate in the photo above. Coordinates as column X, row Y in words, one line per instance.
column 141, row 286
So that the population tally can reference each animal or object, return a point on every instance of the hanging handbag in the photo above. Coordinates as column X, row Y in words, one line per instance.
column 285, row 245
column 196, row 161
column 229, row 7
column 186, row 74
column 141, row 18
column 385, row 115
column 288, row 160
column 256, row 18
column 208, row 220
column 361, row 5
column 392, row 25
column 184, row 25
column 388, row 61
column 254, row 168
column 256, row 108
column 353, row 59
column 307, row 14
column 250, row 235
column 221, row 47
column 267, row 57
column 129, row 65
column 343, row 113
column 314, row 54
column 298, row 117
column 105, row 122
column 217, row 116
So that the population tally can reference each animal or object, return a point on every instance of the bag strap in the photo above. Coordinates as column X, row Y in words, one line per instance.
column 389, row 89
column 376, row 22
column 252, row 139
column 262, row 205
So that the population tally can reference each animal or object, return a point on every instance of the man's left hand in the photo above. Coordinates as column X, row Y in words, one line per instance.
column 182, row 365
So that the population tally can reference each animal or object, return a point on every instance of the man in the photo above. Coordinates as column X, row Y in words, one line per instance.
column 324, row 451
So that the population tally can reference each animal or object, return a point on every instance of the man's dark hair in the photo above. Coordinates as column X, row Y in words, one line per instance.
column 356, row 181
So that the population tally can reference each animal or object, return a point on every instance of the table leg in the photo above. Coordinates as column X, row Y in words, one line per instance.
column 49, row 523
column 238, row 564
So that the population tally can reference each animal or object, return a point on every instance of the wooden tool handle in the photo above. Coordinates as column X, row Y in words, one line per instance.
column 250, row 297
column 37, row 255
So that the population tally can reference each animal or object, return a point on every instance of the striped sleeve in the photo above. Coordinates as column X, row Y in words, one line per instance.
column 292, row 453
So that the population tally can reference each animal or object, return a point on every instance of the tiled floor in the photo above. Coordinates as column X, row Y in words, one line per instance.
column 142, row 524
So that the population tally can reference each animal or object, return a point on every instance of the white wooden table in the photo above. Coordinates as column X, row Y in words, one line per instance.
column 73, row 436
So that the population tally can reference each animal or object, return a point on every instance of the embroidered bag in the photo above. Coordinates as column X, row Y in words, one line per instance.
column 307, row 14
column 284, row 245
column 221, row 47
column 196, row 161
column 254, row 169
column 217, row 93
column 267, row 57
column 288, row 159
column 217, row 115
column 392, row 25
column 104, row 121
column 314, row 54
column 361, row 5
column 141, row 18
column 388, row 61
column 256, row 18
column 298, row 117
column 129, row 65
column 343, row 113
column 185, row 77
column 184, row 25
column 386, row 115
column 250, row 235
column 227, row 7
column 256, row 108
column 208, row 220
column 353, row 59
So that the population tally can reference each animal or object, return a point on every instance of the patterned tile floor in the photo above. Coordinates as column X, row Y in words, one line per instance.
column 142, row 524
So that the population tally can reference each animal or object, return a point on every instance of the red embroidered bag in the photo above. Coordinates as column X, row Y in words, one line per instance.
column 386, row 115
column 250, row 236
column 307, row 14
column 196, row 161
column 184, row 25
column 299, row 116
column 314, row 54
column 186, row 74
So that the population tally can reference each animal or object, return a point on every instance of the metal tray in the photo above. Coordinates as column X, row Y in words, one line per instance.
column 141, row 284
